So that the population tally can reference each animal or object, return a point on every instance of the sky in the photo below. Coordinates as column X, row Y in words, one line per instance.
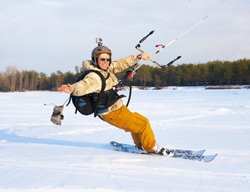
column 52, row 35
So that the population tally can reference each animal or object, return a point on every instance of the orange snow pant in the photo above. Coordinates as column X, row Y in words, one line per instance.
column 135, row 123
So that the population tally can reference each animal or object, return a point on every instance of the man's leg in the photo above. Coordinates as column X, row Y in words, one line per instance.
column 134, row 123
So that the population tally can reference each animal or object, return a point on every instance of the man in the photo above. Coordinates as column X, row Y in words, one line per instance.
column 117, row 114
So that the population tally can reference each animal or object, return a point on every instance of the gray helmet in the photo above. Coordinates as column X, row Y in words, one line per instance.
column 99, row 50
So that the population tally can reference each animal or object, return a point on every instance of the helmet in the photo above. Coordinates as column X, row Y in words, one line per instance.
column 99, row 50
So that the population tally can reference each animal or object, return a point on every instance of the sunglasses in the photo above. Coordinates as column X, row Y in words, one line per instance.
column 103, row 59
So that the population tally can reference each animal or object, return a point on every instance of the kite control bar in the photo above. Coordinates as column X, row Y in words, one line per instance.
column 138, row 47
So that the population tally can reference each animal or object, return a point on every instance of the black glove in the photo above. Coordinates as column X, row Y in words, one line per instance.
column 57, row 115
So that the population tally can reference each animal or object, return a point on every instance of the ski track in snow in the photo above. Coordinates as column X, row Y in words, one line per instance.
column 36, row 155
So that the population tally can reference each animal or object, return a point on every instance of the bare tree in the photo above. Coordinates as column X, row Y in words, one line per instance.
column 11, row 73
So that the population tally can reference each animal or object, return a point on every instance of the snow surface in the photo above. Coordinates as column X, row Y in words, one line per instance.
column 36, row 155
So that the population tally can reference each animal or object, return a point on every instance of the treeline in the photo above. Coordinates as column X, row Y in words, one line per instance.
column 211, row 73
column 14, row 80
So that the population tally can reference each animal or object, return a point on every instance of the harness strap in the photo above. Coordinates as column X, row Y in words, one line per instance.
column 102, row 89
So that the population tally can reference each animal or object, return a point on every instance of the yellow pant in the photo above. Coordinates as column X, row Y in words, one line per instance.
column 135, row 123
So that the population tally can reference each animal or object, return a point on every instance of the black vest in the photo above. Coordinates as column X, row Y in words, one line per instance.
column 96, row 103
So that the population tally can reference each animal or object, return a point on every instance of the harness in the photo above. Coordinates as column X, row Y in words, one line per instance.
column 95, row 102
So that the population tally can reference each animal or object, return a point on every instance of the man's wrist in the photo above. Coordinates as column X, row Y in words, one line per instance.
column 139, row 57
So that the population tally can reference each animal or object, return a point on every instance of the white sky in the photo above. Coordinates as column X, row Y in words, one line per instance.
column 51, row 35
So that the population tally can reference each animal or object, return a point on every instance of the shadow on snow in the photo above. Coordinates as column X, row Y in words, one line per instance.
column 11, row 137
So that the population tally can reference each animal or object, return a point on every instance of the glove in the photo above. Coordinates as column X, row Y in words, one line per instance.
column 57, row 115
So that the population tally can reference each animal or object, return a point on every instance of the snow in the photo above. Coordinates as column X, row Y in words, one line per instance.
column 38, row 156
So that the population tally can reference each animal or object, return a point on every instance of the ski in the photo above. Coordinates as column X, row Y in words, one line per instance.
column 174, row 153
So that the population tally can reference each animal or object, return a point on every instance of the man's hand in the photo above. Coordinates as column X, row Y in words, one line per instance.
column 66, row 88
column 145, row 56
